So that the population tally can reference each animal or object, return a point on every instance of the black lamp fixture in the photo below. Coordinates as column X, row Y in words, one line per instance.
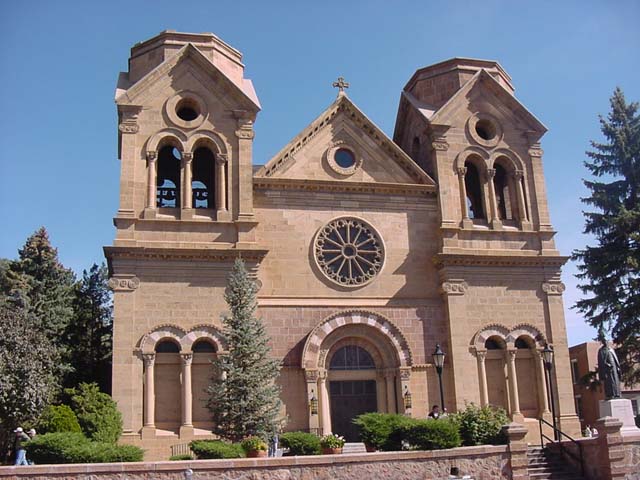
column 438, row 361
column 407, row 398
column 313, row 404
column 547, row 358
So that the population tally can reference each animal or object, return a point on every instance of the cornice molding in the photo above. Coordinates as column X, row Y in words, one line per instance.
column 208, row 254
column 420, row 190
column 442, row 260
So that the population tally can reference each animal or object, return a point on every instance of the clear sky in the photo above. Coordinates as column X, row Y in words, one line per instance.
column 60, row 61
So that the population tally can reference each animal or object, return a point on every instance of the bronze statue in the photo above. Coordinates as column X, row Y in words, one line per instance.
column 608, row 368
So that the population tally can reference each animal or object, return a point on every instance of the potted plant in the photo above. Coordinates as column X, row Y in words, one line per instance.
column 254, row 447
column 332, row 444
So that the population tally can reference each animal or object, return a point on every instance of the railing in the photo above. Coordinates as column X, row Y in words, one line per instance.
column 181, row 449
column 559, row 434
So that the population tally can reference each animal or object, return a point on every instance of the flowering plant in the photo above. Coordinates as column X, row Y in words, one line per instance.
column 332, row 441
column 253, row 443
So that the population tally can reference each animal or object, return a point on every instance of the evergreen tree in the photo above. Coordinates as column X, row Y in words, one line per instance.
column 243, row 396
column 28, row 370
column 89, row 333
column 610, row 270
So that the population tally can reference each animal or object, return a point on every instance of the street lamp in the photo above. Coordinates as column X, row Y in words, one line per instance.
column 313, row 404
column 438, row 361
column 547, row 358
column 407, row 398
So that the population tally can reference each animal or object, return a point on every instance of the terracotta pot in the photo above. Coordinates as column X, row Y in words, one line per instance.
column 370, row 448
column 256, row 453
column 332, row 451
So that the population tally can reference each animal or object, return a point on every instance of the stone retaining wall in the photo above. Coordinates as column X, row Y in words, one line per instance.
column 483, row 463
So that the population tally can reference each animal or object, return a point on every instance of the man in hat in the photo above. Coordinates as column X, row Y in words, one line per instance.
column 18, row 446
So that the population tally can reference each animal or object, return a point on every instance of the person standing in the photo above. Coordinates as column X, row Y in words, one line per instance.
column 18, row 446
column 435, row 412
column 32, row 435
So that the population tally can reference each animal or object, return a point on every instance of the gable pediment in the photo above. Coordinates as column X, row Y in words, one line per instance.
column 311, row 154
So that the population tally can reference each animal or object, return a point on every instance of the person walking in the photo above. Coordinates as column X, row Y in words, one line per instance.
column 18, row 446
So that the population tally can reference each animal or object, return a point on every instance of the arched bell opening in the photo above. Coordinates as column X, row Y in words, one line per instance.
column 167, row 382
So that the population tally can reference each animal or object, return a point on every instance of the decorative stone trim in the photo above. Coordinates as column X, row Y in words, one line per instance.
column 331, row 161
column 124, row 284
column 197, row 102
column 509, row 336
column 535, row 150
column 148, row 359
column 129, row 119
column 555, row 288
column 313, row 357
column 311, row 376
column 407, row 189
column 440, row 146
column 453, row 259
column 213, row 255
column 454, row 287
column 185, row 339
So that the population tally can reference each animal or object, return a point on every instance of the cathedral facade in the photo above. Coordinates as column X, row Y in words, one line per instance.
column 369, row 251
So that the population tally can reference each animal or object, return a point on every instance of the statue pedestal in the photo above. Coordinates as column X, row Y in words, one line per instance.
column 621, row 409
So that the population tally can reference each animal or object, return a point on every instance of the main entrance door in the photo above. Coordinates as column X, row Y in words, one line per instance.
column 348, row 400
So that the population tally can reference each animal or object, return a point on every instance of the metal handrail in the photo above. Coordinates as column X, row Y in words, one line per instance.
column 559, row 435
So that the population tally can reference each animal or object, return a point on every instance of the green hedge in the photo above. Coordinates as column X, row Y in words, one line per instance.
column 207, row 449
column 97, row 413
column 181, row 456
column 300, row 443
column 383, row 431
column 481, row 425
column 76, row 448
column 58, row 418
column 431, row 434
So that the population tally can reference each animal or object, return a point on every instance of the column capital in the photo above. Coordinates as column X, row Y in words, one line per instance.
column 553, row 288
column 148, row 359
column 462, row 171
column 187, row 157
column 311, row 376
column 222, row 159
column 518, row 175
column 535, row 150
column 481, row 355
column 490, row 172
column 187, row 358
column 152, row 155
column 511, row 354
column 454, row 287
column 405, row 373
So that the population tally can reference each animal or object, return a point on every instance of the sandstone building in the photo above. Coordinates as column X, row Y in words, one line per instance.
column 369, row 250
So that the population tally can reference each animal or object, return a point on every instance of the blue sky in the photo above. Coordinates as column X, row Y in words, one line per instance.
column 60, row 61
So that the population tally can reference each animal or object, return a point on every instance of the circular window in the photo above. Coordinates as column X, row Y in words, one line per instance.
column 484, row 130
column 343, row 159
column 186, row 110
column 349, row 252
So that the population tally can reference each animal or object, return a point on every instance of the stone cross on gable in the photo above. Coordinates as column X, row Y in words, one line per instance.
column 341, row 85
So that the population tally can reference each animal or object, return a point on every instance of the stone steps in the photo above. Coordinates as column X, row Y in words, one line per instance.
column 543, row 465
column 354, row 447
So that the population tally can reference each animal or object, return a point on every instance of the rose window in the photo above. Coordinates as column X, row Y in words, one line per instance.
column 349, row 251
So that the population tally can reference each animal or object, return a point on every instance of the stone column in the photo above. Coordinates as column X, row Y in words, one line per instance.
column 221, row 183
column 311, row 377
column 518, row 461
column 493, row 203
column 149, row 391
column 513, row 383
column 187, row 196
column 405, row 386
column 466, row 221
column 543, row 402
column 325, row 409
column 390, row 379
column 245, row 134
column 151, row 179
column 611, row 463
column 381, row 391
column 482, row 377
column 187, row 398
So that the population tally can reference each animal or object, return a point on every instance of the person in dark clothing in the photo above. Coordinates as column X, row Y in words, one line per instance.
column 435, row 412
column 18, row 446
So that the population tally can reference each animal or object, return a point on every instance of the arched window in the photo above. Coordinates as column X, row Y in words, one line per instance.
column 351, row 357
column 168, row 177
column 167, row 346
column 501, row 185
column 203, row 346
column 203, row 178
column 494, row 343
column 474, row 191
column 523, row 342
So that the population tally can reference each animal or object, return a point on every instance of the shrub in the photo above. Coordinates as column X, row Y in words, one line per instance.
column 300, row 443
column 58, row 418
column 65, row 447
column 207, row 449
column 182, row 456
column 97, row 413
column 332, row 441
column 432, row 434
column 382, row 430
column 254, row 444
column 481, row 425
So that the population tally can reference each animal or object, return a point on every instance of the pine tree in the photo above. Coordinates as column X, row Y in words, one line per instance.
column 243, row 395
column 610, row 270
column 89, row 333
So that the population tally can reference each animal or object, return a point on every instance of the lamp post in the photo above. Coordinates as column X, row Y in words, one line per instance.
column 313, row 403
column 407, row 398
column 547, row 357
column 438, row 361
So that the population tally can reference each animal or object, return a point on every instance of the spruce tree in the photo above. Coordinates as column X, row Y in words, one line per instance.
column 243, row 394
column 610, row 270
column 89, row 333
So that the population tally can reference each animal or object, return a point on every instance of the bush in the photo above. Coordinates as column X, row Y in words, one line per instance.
column 332, row 441
column 207, row 449
column 97, row 413
column 58, row 418
column 254, row 444
column 432, row 434
column 300, row 443
column 481, row 425
column 76, row 448
column 182, row 456
column 383, row 431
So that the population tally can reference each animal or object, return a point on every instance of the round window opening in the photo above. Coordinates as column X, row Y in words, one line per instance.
column 349, row 252
column 187, row 110
column 344, row 158
column 485, row 129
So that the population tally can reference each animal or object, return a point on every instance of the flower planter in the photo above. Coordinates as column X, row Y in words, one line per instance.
column 256, row 453
column 332, row 451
